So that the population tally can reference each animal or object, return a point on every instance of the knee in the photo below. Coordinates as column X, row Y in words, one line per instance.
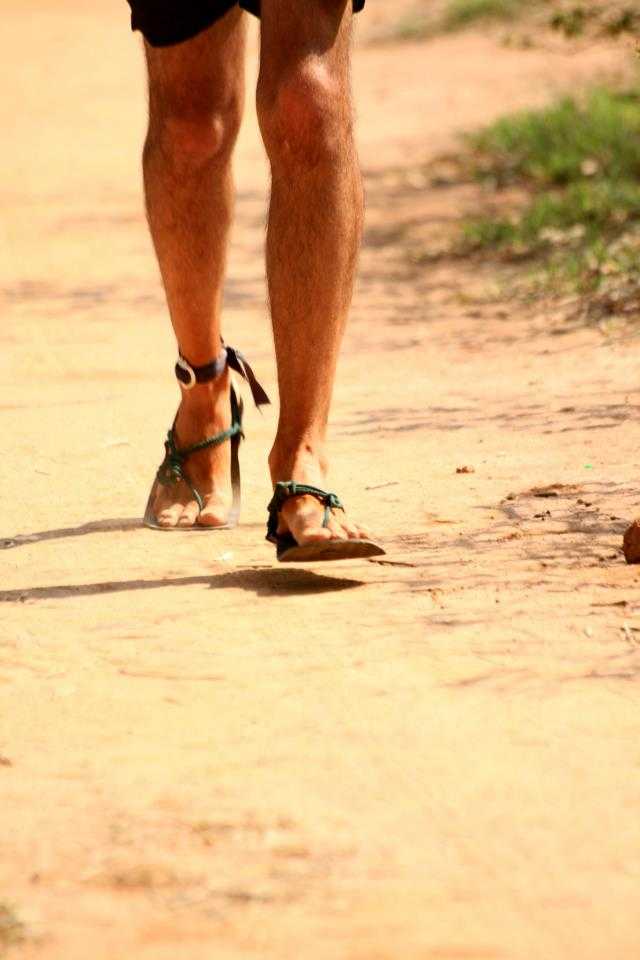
column 304, row 115
column 191, row 139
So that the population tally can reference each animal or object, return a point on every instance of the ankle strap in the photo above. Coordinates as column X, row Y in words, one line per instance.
column 189, row 376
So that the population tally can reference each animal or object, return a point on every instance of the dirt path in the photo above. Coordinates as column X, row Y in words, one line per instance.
column 203, row 755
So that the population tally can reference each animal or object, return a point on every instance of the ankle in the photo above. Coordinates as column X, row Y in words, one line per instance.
column 305, row 462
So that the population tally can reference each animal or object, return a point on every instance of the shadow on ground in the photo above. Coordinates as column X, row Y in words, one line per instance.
column 264, row 582
column 121, row 525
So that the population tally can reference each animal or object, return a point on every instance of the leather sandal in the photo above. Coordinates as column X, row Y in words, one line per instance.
column 288, row 550
column 172, row 470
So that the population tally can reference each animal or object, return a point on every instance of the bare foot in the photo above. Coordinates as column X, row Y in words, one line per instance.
column 204, row 411
column 302, row 516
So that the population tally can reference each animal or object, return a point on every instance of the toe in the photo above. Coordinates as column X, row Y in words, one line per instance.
column 363, row 533
column 311, row 534
column 169, row 516
column 350, row 529
column 214, row 514
column 337, row 529
column 189, row 515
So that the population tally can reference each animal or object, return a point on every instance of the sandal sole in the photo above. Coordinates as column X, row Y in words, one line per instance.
column 328, row 550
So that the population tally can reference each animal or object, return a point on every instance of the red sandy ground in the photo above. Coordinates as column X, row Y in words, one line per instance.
column 208, row 756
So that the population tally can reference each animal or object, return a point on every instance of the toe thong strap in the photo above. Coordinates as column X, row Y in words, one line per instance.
column 285, row 490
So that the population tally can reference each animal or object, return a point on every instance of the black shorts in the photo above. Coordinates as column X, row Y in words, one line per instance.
column 165, row 22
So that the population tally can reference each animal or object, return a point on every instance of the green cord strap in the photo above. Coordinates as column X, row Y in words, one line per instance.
column 284, row 490
column 171, row 470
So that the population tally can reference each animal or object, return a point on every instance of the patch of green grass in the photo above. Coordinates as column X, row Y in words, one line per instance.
column 611, row 19
column 423, row 22
column 593, row 207
column 580, row 161
column 12, row 930
column 414, row 25
column 564, row 143
column 462, row 13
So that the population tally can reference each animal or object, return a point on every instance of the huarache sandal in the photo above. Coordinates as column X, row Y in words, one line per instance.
column 172, row 469
column 290, row 551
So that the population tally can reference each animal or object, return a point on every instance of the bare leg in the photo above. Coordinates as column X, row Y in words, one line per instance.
column 195, row 104
column 315, row 219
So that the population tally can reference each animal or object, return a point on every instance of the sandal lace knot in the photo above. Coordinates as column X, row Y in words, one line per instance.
column 171, row 470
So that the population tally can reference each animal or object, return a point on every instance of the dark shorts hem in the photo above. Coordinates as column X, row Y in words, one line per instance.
column 164, row 26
